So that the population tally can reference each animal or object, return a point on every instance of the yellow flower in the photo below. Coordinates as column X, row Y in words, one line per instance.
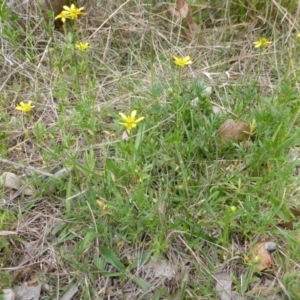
column 182, row 61
column 101, row 205
column 73, row 11
column 298, row 36
column 130, row 121
column 25, row 107
column 82, row 46
column 263, row 42
column 63, row 16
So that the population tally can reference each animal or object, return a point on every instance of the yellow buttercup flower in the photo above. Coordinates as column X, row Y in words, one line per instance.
column 263, row 42
column 82, row 46
column 25, row 107
column 130, row 121
column 63, row 16
column 182, row 61
column 73, row 11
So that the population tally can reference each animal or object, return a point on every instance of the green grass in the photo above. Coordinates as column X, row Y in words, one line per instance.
column 166, row 192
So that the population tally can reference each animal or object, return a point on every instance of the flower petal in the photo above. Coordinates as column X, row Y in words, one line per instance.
column 139, row 119
column 123, row 116
column 187, row 60
column 133, row 114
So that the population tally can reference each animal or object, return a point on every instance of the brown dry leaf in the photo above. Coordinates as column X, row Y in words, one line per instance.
column 173, row 11
column 231, row 131
column 260, row 255
column 10, row 180
column 286, row 225
column 183, row 8
column 289, row 225
column 224, row 285
column 23, row 272
column 25, row 292
column 13, row 181
column 192, row 25
column 295, row 211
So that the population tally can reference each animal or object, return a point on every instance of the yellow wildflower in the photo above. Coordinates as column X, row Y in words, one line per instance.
column 263, row 42
column 82, row 46
column 130, row 121
column 25, row 107
column 73, row 11
column 101, row 205
column 182, row 61
column 63, row 16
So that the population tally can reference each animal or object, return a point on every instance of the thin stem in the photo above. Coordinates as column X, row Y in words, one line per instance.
column 177, row 96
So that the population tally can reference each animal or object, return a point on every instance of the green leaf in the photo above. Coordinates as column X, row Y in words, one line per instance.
column 112, row 168
column 282, row 210
column 156, row 297
column 141, row 283
column 111, row 274
column 294, row 138
column 84, row 168
column 139, row 136
column 111, row 258
column 100, row 263
column 198, row 231
column 87, row 241
column 68, row 195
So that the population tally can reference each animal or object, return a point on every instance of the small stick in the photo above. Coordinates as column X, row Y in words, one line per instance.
column 25, row 167
column 223, row 108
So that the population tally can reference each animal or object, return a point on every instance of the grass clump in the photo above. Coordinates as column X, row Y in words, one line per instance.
column 112, row 121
